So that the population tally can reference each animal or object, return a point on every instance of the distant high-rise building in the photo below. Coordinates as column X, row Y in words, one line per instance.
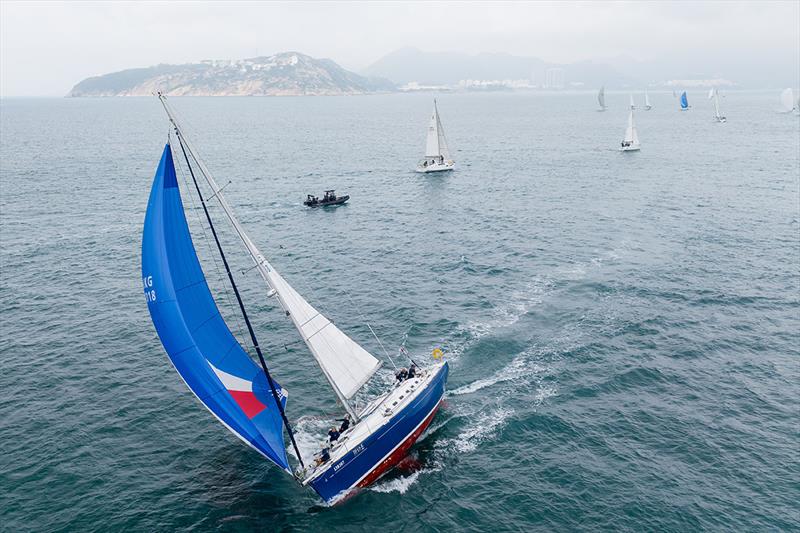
column 554, row 78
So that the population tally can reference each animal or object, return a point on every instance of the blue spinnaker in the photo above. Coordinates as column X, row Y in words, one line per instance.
column 199, row 343
column 684, row 100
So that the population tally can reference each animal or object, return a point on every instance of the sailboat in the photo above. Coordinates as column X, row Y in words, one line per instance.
column 787, row 101
column 647, row 105
column 437, row 156
column 714, row 95
column 631, row 141
column 601, row 98
column 242, row 393
column 684, row 102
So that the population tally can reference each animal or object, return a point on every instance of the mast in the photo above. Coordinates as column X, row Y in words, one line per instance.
column 263, row 266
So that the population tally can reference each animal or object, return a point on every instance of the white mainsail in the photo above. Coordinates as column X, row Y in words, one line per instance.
column 787, row 100
column 715, row 95
column 632, row 105
column 601, row 97
column 631, row 135
column 345, row 364
column 647, row 100
column 436, row 143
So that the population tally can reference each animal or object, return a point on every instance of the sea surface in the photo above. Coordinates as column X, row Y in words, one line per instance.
column 623, row 330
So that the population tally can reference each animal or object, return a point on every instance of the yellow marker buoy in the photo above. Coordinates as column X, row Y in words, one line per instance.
column 437, row 353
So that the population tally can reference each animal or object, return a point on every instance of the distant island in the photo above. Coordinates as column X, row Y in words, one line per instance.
column 284, row 74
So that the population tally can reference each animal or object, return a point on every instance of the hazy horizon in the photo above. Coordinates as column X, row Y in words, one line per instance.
column 47, row 47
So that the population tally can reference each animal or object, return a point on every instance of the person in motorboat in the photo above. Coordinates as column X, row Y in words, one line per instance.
column 345, row 423
column 333, row 435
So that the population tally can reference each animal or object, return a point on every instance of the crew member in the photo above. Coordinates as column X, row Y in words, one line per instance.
column 333, row 435
column 345, row 423
column 401, row 375
column 323, row 457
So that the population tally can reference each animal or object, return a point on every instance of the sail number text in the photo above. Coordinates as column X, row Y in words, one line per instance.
column 149, row 291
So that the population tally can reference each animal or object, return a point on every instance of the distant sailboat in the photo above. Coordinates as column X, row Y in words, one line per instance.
column 601, row 98
column 647, row 105
column 437, row 156
column 684, row 102
column 632, row 105
column 631, row 141
column 714, row 95
column 787, row 100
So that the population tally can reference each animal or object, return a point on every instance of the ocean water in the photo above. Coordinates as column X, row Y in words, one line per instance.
column 623, row 329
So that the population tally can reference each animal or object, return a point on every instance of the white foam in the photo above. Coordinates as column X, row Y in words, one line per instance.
column 309, row 434
column 398, row 484
column 505, row 314
column 482, row 428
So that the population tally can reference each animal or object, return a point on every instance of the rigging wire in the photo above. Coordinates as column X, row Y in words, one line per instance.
column 361, row 316
column 241, row 304
column 196, row 212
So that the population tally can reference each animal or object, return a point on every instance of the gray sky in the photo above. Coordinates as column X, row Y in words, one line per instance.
column 47, row 47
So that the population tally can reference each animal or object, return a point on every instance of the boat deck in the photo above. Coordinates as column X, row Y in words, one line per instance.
column 377, row 413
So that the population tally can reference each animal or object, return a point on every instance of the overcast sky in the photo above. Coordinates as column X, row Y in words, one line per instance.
column 47, row 47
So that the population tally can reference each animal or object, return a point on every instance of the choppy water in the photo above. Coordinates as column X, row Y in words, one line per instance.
column 623, row 329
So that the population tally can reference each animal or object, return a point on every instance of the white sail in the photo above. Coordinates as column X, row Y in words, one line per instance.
column 436, row 143
column 647, row 100
column 345, row 364
column 715, row 94
column 787, row 100
column 632, row 105
column 631, row 135
column 711, row 93
column 601, row 97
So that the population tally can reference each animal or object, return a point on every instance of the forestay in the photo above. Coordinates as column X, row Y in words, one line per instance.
column 201, row 347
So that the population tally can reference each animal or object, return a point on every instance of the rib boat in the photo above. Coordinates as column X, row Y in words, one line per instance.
column 239, row 389
column 329, row 199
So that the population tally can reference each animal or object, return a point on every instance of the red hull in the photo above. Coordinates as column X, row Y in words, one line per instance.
column 397, row 455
